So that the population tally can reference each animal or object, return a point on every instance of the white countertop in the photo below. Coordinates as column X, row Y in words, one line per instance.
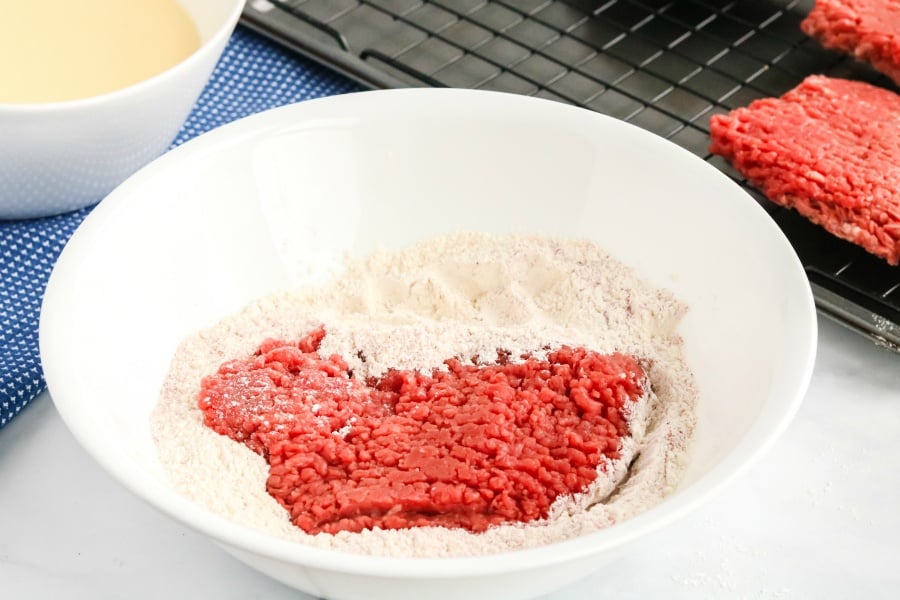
column 818, row 517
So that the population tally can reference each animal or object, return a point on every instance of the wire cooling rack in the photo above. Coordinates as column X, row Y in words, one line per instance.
column 664, row 65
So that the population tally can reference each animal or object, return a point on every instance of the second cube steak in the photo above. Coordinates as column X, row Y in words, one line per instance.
column 866, row 29
column 829, row 148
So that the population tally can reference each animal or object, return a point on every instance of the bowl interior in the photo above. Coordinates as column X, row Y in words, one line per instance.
column 275, row 201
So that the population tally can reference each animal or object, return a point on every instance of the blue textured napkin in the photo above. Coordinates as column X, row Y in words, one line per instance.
column 253, row 75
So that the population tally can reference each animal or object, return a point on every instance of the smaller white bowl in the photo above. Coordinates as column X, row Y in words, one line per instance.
column 61, row 156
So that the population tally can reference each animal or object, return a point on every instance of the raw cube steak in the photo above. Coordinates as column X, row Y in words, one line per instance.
column 866, row 29
column 829, row 148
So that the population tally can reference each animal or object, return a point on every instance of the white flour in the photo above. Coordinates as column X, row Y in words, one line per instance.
column 461, row 295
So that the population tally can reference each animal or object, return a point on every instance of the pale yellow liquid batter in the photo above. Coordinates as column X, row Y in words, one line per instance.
column 57, row 50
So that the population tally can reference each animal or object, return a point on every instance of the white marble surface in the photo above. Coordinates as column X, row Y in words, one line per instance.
column 818, row 517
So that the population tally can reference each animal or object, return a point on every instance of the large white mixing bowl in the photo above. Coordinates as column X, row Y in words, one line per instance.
column 276, row 199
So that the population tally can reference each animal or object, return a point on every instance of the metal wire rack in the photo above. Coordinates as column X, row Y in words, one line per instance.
column 664, row 65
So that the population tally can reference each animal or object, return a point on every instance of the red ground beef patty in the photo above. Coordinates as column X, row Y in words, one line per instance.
column 471, row 447
column 829, row 148
column 866, row 29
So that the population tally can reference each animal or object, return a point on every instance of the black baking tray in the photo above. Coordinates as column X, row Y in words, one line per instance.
column 664, row 65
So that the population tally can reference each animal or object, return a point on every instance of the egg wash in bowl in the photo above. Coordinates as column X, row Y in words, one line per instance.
column 58, row 50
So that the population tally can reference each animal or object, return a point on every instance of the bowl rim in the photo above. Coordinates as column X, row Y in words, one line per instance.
column 759, row 438
column 224, row 30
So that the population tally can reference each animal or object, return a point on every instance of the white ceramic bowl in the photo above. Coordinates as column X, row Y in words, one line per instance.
column 60, row 156
column 275, row 199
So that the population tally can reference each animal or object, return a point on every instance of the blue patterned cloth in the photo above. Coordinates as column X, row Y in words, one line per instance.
column 253, row 75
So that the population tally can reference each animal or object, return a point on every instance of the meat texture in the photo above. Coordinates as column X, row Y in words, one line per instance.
column 866, row 29
column 829, row 148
